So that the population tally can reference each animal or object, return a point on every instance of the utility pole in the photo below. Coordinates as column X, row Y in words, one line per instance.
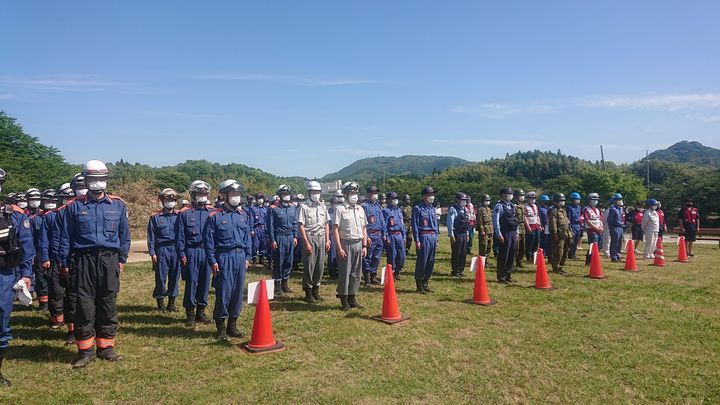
column 602, row 157
column 647, row 170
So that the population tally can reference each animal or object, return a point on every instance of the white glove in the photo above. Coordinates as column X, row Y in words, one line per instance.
column 22, row 293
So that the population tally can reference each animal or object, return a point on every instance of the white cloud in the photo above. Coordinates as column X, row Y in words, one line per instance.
column 652, row 101
column 502, row 110
column 64, row 82
column 289, row 79
column 518, row 143
column 703, row 117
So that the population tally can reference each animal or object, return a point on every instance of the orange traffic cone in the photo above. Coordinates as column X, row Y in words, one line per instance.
column 542, row 282
column 630, row 263
column 262, row 340
column 659, row 245
column 595, row 265
column 659, row 255
column 390, row 311
column 480, row 292
column 682, row 251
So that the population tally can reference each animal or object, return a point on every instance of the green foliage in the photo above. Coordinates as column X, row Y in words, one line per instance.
column 405, row 166
column 693, row 153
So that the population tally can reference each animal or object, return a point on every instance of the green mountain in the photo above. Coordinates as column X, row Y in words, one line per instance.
column 690, row 152
column 403, row 166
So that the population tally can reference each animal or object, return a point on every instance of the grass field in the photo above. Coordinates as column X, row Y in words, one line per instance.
column 651, row 336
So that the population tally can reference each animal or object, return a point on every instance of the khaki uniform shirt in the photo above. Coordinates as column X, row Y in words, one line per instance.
column 350, row 221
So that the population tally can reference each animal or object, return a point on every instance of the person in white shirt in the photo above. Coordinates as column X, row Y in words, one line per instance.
column 651, row 227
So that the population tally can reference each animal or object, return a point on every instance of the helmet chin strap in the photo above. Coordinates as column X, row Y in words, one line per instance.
column 96, row 194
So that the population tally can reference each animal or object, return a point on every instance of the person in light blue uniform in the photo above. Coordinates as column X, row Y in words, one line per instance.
column 425, row 232
column 616, row 222
column 505, row 221
column 161, row 247
column 191, row 251
column 574, row 211
column 376, row 233
column 395, row 240
column 228, row 244
column 16, row 241
column 283, row 237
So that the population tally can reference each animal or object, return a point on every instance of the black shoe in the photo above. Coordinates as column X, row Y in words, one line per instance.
column 160, row 304
column 108, row 354
column 453, row 273
column 502, row 281
column 425, row 286
column 519, row 265
column 460, row 275
column 353, row 303
column 70, row 340
column 560, row 272
column 396, row 275
column 55, row 325
column 366, row 279
column 510, row 280
column 316, row 293
column 373, row 279
column 691, row 254
column 190, row 321
column 261, row 261
column 43, row 307
column 232, row 329
column 171, row 305
column 83, row 358
column 420, row 289
column 4, row 382
column 278, row 288
column 201, row 317
column 284, row 286
column 221, row 334
column 344, row 303
column 309, row 296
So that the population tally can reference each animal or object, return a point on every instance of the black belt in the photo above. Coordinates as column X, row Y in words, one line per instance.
column 165, row 244
column 229, row 250
column 374, row 231
column 395, row 232
column 93, row 250
column 426, row 232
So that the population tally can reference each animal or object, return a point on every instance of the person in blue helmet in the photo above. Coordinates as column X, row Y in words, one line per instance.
column 161, row 247
column 191, row 251
column 425, row 229
column 228, row 244
column 376, row 233
column 395, row 226
column 458, row 225
column 506, row 228
column 283, row 237
column 545, row 238
column 574, row 212
column 616, row 222
column 16, row 251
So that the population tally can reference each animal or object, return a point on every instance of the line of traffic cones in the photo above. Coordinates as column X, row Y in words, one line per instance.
column 390, row 311
column 630, row 262
column 262, row 340
column 480, row 292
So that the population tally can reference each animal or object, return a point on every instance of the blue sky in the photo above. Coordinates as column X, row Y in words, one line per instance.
column 307, row 87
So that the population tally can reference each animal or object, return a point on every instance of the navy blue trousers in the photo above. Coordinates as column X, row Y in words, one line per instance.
column 229, row 284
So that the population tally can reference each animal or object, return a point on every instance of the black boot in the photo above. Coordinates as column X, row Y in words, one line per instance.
column 316, row 293
column 261, row 261
column 171, row 305
column 425, row 286
column 309, row 296
column 344, row 302
column 232, row 329
column 285, row 288
column 396, row 275
column 4, row 382
column 353, row 303
column 70, row 340
column 201, row 317
column 160, row 304
column 366, row 279
column 278, row 288
column 373, row 279
column 221, row 330
column 43, row 307
column 83, row 358
column 419, row 285
column 190, row 321
column 108, row 354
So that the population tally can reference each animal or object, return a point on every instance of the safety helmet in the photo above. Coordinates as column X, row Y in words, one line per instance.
column 486, row 197
column 78, row 182
column 373, row 189
column 544, row 197
column 11, row 198
column 230, row 185
column 350, row 187
column 574, row 195
column 300, row 197
column 313, row 186
column 427, row 190
column 617, row 196
column 559, row 197
column 652, row 201
column 167, row 193
column 392, row 195
column 95, row 169
column 199, row 186
column 593, row 196
column 519, row 192
column 65, row 191
column 461, row 196
column 506, row 190
column 338, row 193
column 184, row 203
column 21, row 196
column 33, row 194
column 531, row 194
column 284, row 189
column 260, row 195
column 49, row 195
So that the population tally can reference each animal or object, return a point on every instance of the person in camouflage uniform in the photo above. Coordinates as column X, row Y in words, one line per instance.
column 520, row 215
column 560, row 233
column 407, row 218
column 484, row 227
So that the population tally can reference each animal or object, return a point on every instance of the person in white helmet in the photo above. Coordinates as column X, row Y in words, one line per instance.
column 313, row 225
column 161, row 247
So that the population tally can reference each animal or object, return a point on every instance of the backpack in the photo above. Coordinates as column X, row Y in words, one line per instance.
column 10, row 248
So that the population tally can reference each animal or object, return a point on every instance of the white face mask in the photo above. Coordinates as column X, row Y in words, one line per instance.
column 394, row 202
column 562, row 203
column 169, row 204
column 340, row 200
column 315, row 197
column 486, row 203
column 373, row 197
column 576, row 202
column 619, row 203
column 353, row 198
column 286, row 198
column 654, row 207
column 593, row 203
column 34, row 204
column 430, row 199
column 201, row 199
column 260, row 201
column 22, row 204
column 507, row 197
column 521, row 198
column 267, row 204
column 531, row 200
column 50, row 206
column 81, row 192
column 97, row 185
column 234, row 201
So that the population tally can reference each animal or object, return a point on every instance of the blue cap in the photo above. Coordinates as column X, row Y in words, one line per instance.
column 617, row 196
column 574, row 195
column 544, row 197
column 652, row 201
column 427, row 190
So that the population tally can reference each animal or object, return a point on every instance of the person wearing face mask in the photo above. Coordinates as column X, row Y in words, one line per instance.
column 574, row 213
column 606, row 229
column 332, row 264
column 560, row 232
column 22, row 202
column 458, row 224
column 67, row 197
column 228, row 245
column 506, row 224
column 383, row 201
column 350, row 233
column 593, row 221
column 395, row 225
column 425, row 232
column 161, row 247
column 544, row 226
column 190, row 247
column 407, row 220
column 298, row 201
column 283, row 235
column 634, row 217
column 16, row 237
column 661, row 218
column 532, row 226
column 377, row 234
column 689, row 218
column 95, row 242
column 56, row 286
column 35, row 215
column 616, row 222
column 473, row 219
column 313, row 224
column 522, row 229
column 257, row 213
column 650, row 227
column 484, row 227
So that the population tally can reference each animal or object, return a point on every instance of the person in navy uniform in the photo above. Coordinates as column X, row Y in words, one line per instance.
column 376, row 234
column 425, row 233
column 616, row 222
column 283, row 236
column 258, row 212
column 458, row 224
column 35, row 214
column 47, row 256
column 94, row 242
column 506, row 223
column 161, row 247
column 395, row 241
column 195, row 268
column 16, row 251
column 689, row 217
column 228, row 244
column 574, row 212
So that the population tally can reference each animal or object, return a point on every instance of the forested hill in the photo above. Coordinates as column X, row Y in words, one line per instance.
column 689, row 152
column 406, row 166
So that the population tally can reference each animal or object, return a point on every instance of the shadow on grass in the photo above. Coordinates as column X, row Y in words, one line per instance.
column 178, row 331
column 301, row 306
column 42, row 353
